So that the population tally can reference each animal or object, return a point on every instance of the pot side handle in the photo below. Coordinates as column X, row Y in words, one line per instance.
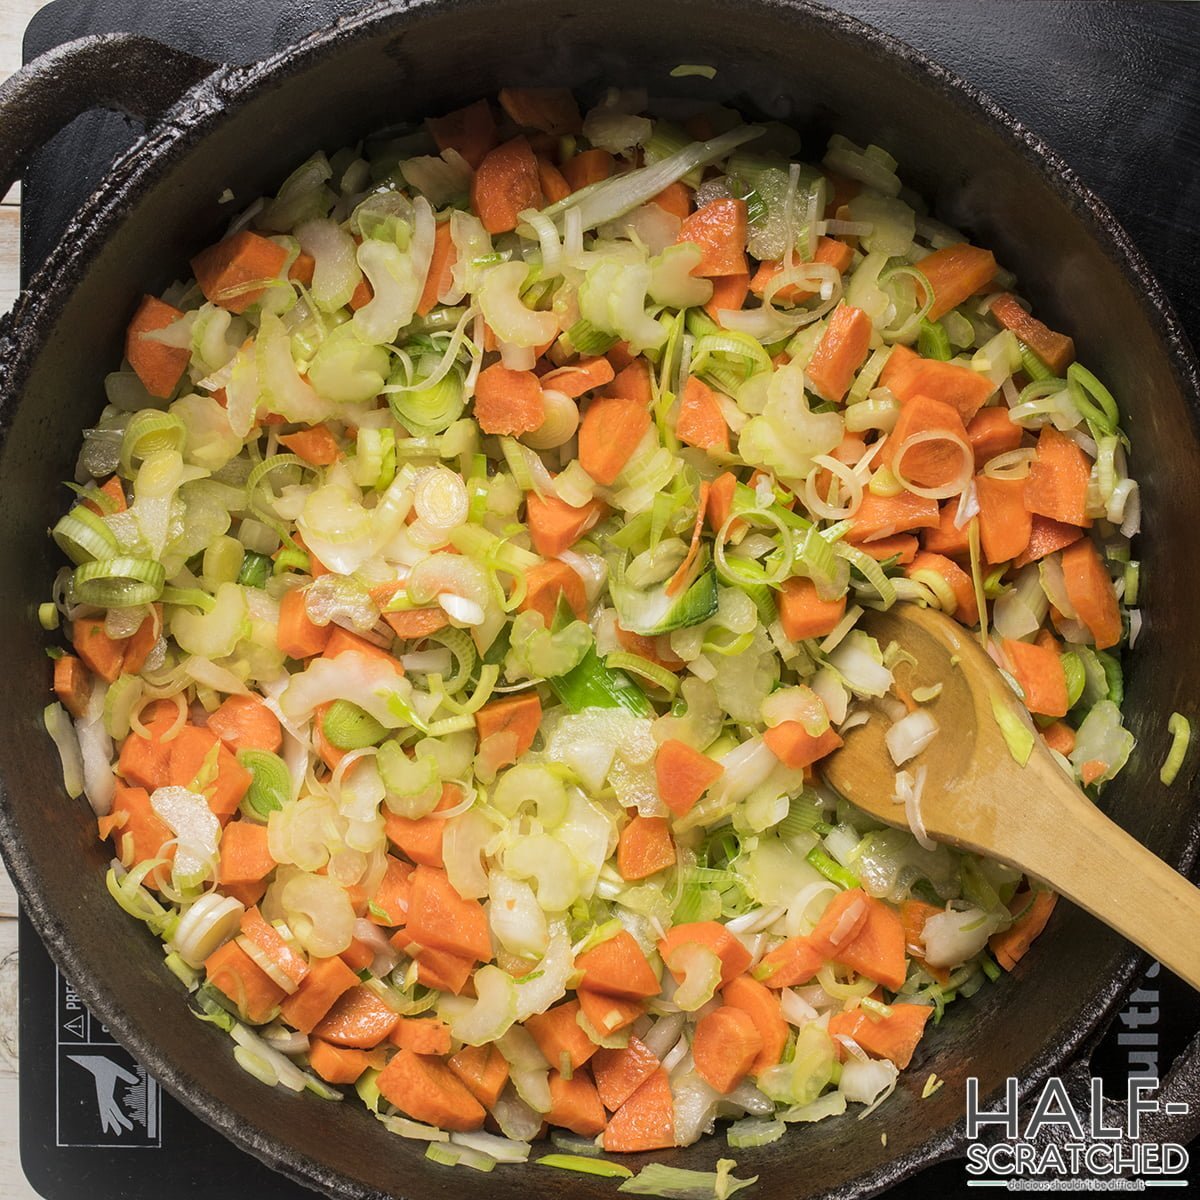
column 125, row 72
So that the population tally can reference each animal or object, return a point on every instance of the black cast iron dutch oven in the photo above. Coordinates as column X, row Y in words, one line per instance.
column 214, row 127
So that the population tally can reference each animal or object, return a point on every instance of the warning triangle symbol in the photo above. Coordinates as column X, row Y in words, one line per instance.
column 75, row 1026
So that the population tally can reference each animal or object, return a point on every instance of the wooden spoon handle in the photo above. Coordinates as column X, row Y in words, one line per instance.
column 1097, row 865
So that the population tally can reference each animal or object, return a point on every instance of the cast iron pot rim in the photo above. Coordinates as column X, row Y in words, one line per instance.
column 185, row 124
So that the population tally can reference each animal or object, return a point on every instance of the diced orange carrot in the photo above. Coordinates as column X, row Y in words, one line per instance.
column 158, row 365
column 327, row 980
column 958, row 580
column 390, row 903
column 735, row 958
column 146, row 761
column 508, row 402
column 555, row 525
column 439, row 917
column 192, row 754
column 520, row 714
column 830, row 253
column 245, row 854
column 900, row 546
column 438, row 969
column 420, row 838
column 303, row 269
column 505, row 184
column 260, row 936
column 675, row 198
column 802, row 612
column 336, row 1064
column 228, row 272
column 757, row 1002
column 588, row 167
column 794, row 746
column 247, row 894
column 363, row 294
column 937, row 461
column 1005, row 524
column 877, row 950
column 471, row 131
column 1056, row 350
column 358, row 1019
column 607, row 1014
column 719, row 229
column 297, row 636
column 550, row 179
column 725, row 1046
column 841, row 922
column 103, row 655
column 560, row 1037
column 440, row 265
column 954, row 273
column 1009, row 946
column 1056, row 486
column 1060, row 736
column 948, row 538
column 991, row 432
column 720, row 503
column 913, row 915
column 246, row 723
column 483, row 1070
column 114, row 491
column 841, row 190
column 700, row 422
column 620, row 1072
column 575, row 1104
column 610, row 432
column 1091, row 592
column 1040, row 673
column 143, row 832
column 1046, row 536
column 840, row 352
column 234, row 972
column 546, row 582
column 422, row 1035
column 907, row 374
column 548, row 110
column 683, row 775
column 729, row 295
column 882, row 516
column 143, row 639
column 793, row 962
column 342, row 641
column 580, row 377
column 72, row 684
column 414, row 623
column 1092, row 770
column 315, row 445
column 632, row 382
column 655, row 649
column 644, row 847
column 617, row 967
column 894, row 1037
column 646, row 1121
column 427, row 1090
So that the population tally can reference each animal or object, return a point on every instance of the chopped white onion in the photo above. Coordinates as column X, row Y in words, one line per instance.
column 908, row 737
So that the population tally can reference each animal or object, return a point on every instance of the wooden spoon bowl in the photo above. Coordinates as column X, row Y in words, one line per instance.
column 978, row 797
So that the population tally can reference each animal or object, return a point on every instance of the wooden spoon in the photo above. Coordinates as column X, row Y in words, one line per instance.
column 978, row 798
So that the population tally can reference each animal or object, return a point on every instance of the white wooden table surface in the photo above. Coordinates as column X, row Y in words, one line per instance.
column 14, row 16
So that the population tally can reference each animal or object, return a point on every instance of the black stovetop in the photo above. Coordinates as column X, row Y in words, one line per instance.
column 1114, row 87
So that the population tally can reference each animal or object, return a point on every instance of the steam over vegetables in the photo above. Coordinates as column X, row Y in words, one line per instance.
column 462, row 592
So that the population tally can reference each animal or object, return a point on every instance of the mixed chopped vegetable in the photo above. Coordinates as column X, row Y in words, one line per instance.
column 465, row 588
